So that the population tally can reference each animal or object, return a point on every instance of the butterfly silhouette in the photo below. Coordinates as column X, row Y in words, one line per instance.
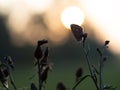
column 77, row 31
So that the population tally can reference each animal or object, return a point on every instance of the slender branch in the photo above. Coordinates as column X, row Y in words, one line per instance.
column 101, row 71
column 100, row 77
column 12, row 82
column 89, row 66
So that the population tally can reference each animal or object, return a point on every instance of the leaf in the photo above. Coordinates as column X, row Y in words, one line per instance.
column 109, row 87
column 5, row 84
column 80, row 80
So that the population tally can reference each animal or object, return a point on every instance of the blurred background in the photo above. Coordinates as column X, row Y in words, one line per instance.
column 24, row 22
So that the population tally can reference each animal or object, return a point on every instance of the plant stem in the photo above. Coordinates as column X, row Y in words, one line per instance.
column 101, row 73
column 39, row 76
column 89, row 66
column 12, row 82
column 100, row 77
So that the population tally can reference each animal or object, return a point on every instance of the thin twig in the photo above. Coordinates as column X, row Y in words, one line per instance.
column 101, row 70
column 12, row 82
column 100, row 77
column 89, row 66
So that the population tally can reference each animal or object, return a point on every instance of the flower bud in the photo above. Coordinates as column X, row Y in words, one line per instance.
column 79, row 73
column 60, row 86
column 106, row 42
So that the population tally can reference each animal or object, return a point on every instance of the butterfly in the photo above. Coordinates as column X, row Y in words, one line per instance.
column 77, row 31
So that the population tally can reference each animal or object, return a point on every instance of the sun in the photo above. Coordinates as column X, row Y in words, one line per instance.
column 72, row 15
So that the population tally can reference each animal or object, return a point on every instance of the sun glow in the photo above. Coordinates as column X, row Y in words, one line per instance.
column 72, row 15
column 104, row 17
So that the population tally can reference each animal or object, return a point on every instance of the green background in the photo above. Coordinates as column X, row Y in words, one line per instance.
column 66, row 58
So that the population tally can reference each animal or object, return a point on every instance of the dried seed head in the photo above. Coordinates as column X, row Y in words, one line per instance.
column 77, row 31
column 33, row 86
column 38, row 53
column 44, row 75
column 60, row 86
column 46, row 52
column 106, row 42
column 44, row 60
column 104, row 58
column 41, row 42
column 79, row 73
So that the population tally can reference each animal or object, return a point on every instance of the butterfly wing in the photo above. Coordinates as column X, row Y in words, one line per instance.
column 77, row 31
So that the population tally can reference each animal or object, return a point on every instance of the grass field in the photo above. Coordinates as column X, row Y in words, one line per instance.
column 65, row 72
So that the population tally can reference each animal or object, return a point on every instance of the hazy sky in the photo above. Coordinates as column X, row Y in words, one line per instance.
column 103, row 16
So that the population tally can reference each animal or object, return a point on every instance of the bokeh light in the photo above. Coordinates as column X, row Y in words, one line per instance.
column 72, row 15
column 30, row 20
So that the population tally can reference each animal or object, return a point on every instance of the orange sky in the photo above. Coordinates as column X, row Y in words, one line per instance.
column 103, row 16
